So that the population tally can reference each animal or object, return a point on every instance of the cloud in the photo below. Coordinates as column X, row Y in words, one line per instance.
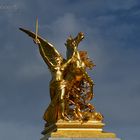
column 63, row 27
column 19, row 131
column 31, row 70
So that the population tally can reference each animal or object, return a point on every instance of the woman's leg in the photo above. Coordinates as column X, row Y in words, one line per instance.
column 63, row 104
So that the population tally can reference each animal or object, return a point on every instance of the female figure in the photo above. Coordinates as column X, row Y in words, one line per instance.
column 56, row 109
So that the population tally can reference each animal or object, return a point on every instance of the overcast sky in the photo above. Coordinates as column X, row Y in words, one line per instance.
column 112, row 39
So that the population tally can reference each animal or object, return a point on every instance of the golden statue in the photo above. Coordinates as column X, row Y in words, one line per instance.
column 71, row 90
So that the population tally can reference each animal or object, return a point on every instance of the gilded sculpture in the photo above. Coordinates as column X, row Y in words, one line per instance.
column 71, row 88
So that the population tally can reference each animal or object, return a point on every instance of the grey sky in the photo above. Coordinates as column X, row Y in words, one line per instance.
column 112, row 40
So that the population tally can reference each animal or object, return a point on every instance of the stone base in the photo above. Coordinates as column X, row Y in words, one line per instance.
column 76, row 130
column 80, row 134
column 80, row 138
column 67, row 129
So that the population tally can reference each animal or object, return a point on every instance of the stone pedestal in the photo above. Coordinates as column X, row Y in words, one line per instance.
column 75, row 130
column 80, row 138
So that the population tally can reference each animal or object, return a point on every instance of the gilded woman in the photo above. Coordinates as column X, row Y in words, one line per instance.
column 63, row 71
column 56, row 109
